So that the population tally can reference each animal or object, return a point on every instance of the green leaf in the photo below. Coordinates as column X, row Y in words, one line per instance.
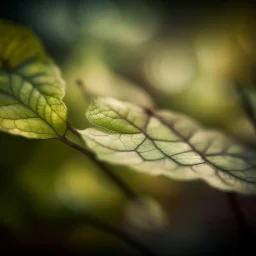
column 31, row 101
column 31, row 87
column 171, row 144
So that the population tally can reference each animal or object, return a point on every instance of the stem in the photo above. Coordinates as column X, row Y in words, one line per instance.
column 238, row 214
column 126, row 190
column 121, row 236
column 74, row 131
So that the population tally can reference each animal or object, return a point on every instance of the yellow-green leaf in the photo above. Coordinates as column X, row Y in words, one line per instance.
column 31, row 87
column 167, row 143
column 31, row 101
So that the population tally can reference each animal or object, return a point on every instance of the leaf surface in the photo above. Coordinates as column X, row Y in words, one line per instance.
column 171, row 144
column 31, row 87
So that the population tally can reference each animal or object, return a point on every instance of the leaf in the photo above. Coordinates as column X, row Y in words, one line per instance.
column 18, row 44
column 162, row 142
column 31, row 87
column 31, row 101
column 145, row 214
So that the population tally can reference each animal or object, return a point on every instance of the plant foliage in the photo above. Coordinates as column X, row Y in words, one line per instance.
column 163, row 142
column 31, row 87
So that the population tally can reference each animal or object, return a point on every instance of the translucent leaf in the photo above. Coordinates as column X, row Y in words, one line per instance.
column 31, row 101
column 31, row 88
column 162, row 142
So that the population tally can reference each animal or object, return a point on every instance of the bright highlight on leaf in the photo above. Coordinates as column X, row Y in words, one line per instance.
column 162, row 142
column 31, row 88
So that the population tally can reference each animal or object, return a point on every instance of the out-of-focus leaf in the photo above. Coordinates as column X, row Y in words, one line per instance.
column 162, row 142
column 145, row 214
column 31, row 87
column 18, row 44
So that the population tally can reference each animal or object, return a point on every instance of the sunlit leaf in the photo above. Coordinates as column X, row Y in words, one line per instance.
column 31, row 101
column 31, row 88
column 162, row 142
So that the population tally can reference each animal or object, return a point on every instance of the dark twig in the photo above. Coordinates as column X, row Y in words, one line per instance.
column 126, row 190
column 129, row 193
column 74, row 130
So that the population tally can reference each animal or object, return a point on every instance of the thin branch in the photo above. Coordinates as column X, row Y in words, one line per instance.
column 126, row 190
column 74, row 131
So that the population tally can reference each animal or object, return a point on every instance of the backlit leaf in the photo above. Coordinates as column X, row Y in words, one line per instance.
column 31, row 87
column 163, row 142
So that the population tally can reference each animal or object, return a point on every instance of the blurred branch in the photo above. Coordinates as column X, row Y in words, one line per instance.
column 129, row 193
column 126, row 190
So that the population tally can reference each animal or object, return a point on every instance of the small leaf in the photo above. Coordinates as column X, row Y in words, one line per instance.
column 162, row 142
column 146, row 214
column 31, row 87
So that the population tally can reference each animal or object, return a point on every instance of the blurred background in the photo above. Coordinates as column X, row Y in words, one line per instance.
column 182, row 57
